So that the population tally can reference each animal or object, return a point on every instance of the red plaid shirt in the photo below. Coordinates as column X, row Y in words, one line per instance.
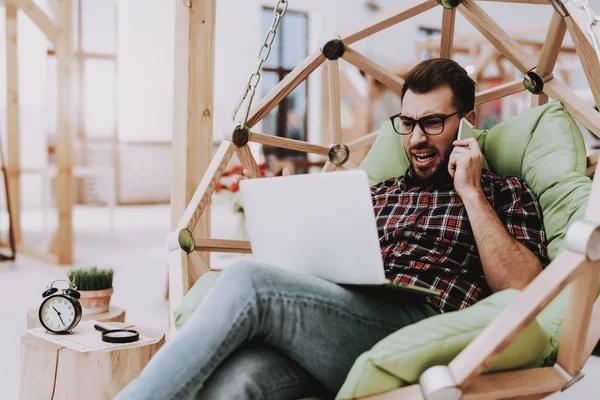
column 426, row 239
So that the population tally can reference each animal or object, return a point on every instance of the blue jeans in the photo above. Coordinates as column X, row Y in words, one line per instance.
column 265, row 333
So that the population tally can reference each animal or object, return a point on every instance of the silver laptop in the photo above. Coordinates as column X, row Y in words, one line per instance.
column 318, row 224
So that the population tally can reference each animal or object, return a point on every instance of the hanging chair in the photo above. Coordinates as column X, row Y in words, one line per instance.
column 507, row 345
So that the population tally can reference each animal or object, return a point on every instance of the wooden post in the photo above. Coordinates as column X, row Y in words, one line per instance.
column 448, row 20
column 12, row 117
column 62, row 244
column 549, row 54
column 193, row 106
column 334, row 101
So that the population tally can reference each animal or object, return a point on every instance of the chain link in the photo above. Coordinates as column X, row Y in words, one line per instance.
column 263, row 55
column 592, row 20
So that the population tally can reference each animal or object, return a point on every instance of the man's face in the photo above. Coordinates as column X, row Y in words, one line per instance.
column 428, row 154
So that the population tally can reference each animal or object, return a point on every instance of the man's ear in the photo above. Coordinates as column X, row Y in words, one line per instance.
column 471, row 116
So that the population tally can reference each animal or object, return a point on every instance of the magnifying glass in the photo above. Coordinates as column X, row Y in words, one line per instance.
column 117, row 335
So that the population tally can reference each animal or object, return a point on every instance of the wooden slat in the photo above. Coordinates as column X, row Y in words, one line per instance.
column 224, row 246
column 549, row 54
column 499, row 385
column 248, row 161
column 12, row 117
column 447, row 40
column 594, row 330
column 290, row 144
column 335, row 116
column 585, row 51
column 349, row 165
column 496, row 35
column 193, row 108
column 386, row 77
column 362, row 142
column 552, row 44
column 481, row 352
column 514, row 384
column 571, row 352
column 541, row 2
column 178, row 283
column 329, row 167
column 63, row 239
column 285, row 87
column 592, row 163
column 39, row 18
column 196, row 267
column 498, row 92
column 578, row 108
column 388, row 19
column 203, row 193
column 592, row 212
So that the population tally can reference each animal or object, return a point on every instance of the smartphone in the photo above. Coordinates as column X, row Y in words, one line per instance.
column 465, row 130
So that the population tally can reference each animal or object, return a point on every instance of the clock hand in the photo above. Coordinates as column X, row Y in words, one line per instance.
column 63, row 322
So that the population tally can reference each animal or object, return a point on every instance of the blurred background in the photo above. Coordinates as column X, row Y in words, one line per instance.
column 124, row 123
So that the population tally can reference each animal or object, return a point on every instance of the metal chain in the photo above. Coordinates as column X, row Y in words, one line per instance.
column 263, row 55
column 592, row 19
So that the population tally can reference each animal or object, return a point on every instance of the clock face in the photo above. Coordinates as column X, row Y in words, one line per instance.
column 58, row 314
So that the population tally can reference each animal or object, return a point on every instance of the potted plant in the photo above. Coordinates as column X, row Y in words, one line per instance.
column 95, row 286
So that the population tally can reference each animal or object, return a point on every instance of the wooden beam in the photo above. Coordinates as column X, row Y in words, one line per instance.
column 592, row 162
column 594, row 330
column 541, row 2
column 335, row 116
column 178, row 283
column 388, row 19
column 196, row 267
column 578, row 108
column 193, row 108
column 446, row 42
column 586, row 53
column 498, row 385
column 223, row 246
column 386, row 77
column 349, row 165
column 290, row 144
column 65, row 57
column 329, row 167
column 39, row 18
column 497, row 36
column 362, row 142
column 13, row 118
column 571, row 352
column 203, row 193
column 248, row 161
column 552, row 45
column 549, row 54
column 285, row 87
column 482, row 351
column 498, row 92
column 592, row 212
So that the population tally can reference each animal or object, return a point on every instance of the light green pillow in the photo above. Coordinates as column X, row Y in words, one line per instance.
column 401, row 358
column 194, row 297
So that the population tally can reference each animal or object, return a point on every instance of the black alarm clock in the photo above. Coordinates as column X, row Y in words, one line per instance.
column 60, row 312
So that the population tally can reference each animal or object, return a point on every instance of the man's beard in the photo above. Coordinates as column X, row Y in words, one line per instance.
column 439, row 174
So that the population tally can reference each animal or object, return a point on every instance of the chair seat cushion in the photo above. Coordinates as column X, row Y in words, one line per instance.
column 194, row 297
column 401, row 358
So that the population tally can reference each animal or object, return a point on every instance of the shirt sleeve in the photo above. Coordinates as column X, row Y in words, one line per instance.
column 520, row 212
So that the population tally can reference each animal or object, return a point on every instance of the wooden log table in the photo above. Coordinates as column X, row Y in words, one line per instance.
column 51, row 370
column 114, row 314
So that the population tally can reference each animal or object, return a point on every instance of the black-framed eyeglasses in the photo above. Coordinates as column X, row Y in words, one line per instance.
column 430, row 124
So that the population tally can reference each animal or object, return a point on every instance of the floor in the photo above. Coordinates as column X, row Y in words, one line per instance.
column 136, row 250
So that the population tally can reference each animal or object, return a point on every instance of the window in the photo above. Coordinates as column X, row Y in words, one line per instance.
column 289, row 118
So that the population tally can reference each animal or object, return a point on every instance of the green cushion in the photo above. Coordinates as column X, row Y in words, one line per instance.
column 194, row 297
column 402, row 357
column 543, row 146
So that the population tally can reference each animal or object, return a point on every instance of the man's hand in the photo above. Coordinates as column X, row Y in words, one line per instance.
column 465, row 167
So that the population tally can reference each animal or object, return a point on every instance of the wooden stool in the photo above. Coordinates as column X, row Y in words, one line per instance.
column 50, row 370
column 114, row 314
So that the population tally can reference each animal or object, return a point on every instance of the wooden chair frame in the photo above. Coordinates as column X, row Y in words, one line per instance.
column 578, row 265
column 59, row 32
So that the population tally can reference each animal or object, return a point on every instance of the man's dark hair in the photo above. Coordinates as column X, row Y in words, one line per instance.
column 431, row 74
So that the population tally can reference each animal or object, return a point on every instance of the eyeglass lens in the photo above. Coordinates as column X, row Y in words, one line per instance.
column 431, row 126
